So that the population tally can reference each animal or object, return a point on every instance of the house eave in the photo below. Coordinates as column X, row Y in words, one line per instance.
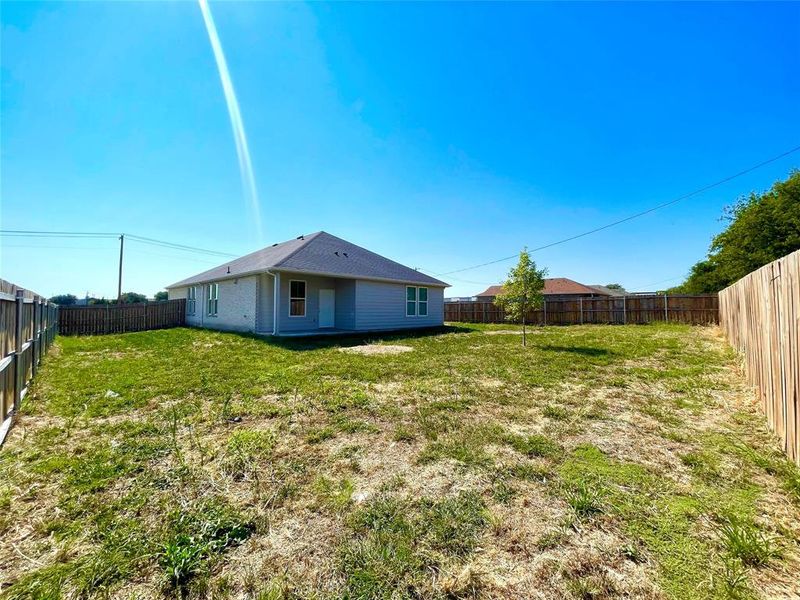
column 228, row 276
column 435, row 283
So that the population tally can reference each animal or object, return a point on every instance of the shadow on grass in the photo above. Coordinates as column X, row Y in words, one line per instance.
column 321, row 342
column 582, row 350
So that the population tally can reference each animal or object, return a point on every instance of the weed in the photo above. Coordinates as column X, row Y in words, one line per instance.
column 557, row 413
column 743, row 540
column 734, row 580
column 336, row 495
column 397, row 542
column 534, row 445
column 585, row 498
column 317, row 436
column 403, row 433
column 197, row 535
column 455, row 523
column 246, row 448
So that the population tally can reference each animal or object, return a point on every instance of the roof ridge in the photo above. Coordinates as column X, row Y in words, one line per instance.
column 362, row 248
column 306, row 239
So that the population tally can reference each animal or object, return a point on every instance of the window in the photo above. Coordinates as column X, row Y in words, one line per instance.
column 212, row 295
column 411, row 301
column 191, row 300
column 416, row 301
column 297, row 298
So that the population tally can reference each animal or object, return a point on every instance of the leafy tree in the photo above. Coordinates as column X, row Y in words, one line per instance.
column 762, row 228
column 133, row 298
column 161, row 295
column 99, row 301
column 64, row 299
column 614, row 286
column 522, row 290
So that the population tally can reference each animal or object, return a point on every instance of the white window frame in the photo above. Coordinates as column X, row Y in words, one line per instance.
column 421, row 302
column 212, row 295
column 304, row 298
column 191, row 300
column 417, row 302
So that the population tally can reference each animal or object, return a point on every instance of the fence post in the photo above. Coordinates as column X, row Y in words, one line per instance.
column 580, row 303
column 18, row 374
column 666, row 314
column 544, row 306
column 624, row 312
column 35, row 335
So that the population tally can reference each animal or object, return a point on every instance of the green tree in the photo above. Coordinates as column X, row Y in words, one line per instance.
column 64, row 299
column 762, row 228
column 522, row 290
column 162, row 295
column 614, row 286
column 133, row 298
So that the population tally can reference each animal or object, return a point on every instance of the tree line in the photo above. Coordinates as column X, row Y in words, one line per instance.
column 126, row 298
column 761, row 228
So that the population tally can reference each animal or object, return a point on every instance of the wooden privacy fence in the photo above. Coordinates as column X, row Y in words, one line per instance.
column 760, row 314
column 27, row 328
column 694, row 310
column 100, row 319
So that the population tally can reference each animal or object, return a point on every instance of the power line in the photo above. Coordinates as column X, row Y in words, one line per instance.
column 647, row 285
column 174, row 246
column 55, row 234
column 107, row 235
column 634, row 216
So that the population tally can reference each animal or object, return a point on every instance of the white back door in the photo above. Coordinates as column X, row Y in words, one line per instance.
column 327, row 308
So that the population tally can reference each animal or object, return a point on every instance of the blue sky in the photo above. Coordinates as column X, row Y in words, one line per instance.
column 440, row 135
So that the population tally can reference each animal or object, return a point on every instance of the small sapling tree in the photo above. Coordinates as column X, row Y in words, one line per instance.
column 522, row 290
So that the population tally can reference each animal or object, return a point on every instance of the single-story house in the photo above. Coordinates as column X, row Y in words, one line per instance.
column 557, row 288
column 610, row 291
column 314, row 284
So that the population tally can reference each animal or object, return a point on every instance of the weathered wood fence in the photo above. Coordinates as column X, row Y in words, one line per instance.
column 101, row 319
column 27, row 328
column 760, row 314
column 694, row 310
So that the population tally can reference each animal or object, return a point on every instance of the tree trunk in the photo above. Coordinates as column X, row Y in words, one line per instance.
column 524, row 341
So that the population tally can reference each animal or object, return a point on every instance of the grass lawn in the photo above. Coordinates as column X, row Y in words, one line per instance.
column 599, row 462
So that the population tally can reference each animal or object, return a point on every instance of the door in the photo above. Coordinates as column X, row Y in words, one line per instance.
column 327, row 307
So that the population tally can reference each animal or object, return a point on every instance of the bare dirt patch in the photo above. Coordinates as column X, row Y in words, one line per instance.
column 377, row 349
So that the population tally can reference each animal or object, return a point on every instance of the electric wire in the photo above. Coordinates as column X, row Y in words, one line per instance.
column 633, row 216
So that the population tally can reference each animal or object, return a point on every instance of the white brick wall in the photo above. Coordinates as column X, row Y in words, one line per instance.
column 236, row 310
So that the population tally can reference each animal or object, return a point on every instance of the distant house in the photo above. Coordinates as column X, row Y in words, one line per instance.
column 607, row 291
column 558, row 288
column 314, row 284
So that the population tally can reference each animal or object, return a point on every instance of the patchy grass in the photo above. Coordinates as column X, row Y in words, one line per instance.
column 598, row 462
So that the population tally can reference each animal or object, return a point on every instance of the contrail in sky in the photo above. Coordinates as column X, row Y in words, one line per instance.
column 245, row 166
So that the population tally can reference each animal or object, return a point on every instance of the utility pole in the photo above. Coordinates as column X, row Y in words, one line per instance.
column 119, row 281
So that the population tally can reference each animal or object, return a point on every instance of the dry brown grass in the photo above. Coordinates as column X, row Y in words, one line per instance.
column 460, row 429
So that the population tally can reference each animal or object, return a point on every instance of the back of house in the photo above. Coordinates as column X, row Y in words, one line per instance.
column 314, row 284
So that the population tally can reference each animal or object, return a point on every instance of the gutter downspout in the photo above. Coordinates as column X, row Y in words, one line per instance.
column 276, row 284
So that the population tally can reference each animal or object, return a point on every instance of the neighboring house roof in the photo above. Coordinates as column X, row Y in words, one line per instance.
column 492, row 290
column 319, row 253
column 609, row 291
column 558, row 286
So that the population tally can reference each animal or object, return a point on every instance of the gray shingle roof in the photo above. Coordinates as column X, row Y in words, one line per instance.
column 320, row 253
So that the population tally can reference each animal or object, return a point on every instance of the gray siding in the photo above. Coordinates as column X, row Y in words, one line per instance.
column 313, row 285
column 345, row 304
column 383, row 306
column 236, row 309
column 266, row 298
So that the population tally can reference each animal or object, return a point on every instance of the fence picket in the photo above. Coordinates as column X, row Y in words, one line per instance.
column 760, row 315
column 120, row 318
column 693, row 310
